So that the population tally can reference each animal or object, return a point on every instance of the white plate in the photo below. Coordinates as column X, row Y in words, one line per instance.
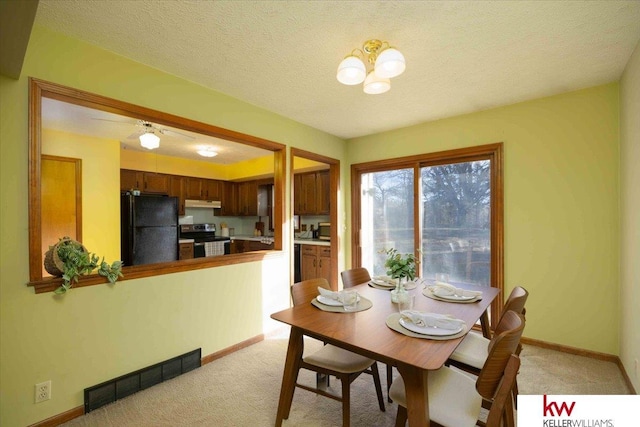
column 330, row 301
column 383, row 283
column 455, row 297
column 427, row 330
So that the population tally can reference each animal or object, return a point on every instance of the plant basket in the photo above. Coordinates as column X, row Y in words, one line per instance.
column 52, row 262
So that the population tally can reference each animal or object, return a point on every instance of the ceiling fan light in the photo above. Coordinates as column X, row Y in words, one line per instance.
column 207, row 152
column 390, row 63
column 351, row 71
column 374, row 85
column 149, row 140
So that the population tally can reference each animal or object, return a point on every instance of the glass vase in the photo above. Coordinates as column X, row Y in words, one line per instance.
column 399, row 293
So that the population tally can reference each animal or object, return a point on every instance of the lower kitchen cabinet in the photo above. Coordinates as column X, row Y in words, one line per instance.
column 186, row 251
column 315, row 262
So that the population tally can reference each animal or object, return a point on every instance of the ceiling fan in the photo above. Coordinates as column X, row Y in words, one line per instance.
column 148, row 132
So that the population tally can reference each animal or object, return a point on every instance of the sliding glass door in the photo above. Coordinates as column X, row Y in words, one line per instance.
column 445, row 208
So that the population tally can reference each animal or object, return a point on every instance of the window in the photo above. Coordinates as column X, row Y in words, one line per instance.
column 454, row 197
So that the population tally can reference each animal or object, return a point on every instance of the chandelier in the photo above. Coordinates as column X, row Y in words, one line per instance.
column 385, row 62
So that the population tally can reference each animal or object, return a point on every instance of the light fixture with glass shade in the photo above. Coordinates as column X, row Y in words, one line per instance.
column 207, row 152
column 149, row 140
column 385, row 62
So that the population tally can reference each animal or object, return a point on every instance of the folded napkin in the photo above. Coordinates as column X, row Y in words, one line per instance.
column 442, row 289
column 443, row 321
column 386, row 279
column 338, row 296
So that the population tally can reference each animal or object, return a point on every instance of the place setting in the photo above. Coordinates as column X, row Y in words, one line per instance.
column 388, row 283
column 441, row 290
column 419, row 324
column 344, row 301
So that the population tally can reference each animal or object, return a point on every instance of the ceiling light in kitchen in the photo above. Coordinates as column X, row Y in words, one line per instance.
column 149, row 140
column 207, row 152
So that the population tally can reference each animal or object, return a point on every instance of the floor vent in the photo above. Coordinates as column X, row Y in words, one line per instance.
column 118, row 388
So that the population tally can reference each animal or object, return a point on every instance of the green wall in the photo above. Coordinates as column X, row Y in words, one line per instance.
column 561, row 204
column 96, row 333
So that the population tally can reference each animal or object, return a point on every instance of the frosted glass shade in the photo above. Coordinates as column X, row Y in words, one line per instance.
column 149, row 140
column 374, row 85
column 351, row 71
column 207, row 152
column 390, row 63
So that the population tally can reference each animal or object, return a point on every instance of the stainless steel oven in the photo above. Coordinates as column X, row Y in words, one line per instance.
column 206, row 243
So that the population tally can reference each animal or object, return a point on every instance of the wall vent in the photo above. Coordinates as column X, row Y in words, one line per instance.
column 125, row 385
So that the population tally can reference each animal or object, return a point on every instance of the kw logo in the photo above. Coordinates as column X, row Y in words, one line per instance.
column 547, row 408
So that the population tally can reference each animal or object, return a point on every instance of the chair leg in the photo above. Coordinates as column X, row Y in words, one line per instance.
column 389, row 381
column 378, row 384
column 514, row 392
column 508, row 417
column 401, row 416
column 346, row 400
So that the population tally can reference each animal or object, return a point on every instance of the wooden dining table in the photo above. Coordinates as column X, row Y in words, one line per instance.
column 366, row 333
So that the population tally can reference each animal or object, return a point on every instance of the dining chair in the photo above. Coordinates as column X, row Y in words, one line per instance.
column 356, row 276
column 472, row 352
column 332, row 360
column 455, row 399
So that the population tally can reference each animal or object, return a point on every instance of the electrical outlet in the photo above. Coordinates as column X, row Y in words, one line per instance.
column 303, row 227
column 43, row 391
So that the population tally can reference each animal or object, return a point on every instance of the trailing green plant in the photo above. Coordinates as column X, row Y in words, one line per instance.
column 77, row 261
column 400, row 265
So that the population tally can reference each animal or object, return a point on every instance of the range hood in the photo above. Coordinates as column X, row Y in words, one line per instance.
column 210, row 204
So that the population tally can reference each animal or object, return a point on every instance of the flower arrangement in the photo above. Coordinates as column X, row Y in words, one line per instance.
column 400, row 266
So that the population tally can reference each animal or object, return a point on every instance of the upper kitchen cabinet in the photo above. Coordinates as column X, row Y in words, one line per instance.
column 311, row 193
column 203, row 189
column 177, row 186
column 248, row 198
column 193, row 188
column 146, row 182
column 229, row 198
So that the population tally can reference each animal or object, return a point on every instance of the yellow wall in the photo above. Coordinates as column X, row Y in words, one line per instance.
column 561, row 204
column 630, row 218
column 96, row 333
column 100, row 187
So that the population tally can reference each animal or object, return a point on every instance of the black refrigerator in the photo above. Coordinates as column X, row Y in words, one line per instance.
column 149, row 229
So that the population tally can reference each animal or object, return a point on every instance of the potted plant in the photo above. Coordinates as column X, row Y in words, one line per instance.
column 70, row 259
column 401, row 267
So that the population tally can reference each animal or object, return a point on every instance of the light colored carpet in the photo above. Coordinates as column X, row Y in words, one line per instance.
column 243, row 389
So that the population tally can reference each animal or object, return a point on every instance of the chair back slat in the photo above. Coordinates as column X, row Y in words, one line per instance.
column 516, row 301
column 303, row 292
column 355, row 276
column 501, row 347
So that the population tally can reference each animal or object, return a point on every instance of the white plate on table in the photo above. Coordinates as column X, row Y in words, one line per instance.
column 427, row 330
column 456, row 297
column 330, row 301
column 384, row 283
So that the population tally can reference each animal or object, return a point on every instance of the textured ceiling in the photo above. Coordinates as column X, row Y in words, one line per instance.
column 462, row 56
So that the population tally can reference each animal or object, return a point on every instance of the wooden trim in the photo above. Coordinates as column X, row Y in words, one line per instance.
column 40, row 88
column 334, row 189
column 229, row 350
column 627, row 380
column 62, row 418
column 140, row 271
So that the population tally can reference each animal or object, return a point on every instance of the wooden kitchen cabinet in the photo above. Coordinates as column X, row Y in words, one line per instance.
column 248, row 198
column 229, row 198
column 211, row 189
column 186, row 251
column 156, row 183
column 311, row 193
column 131, row 180
column 315, row 262
column 193, row 188
column 177, row 189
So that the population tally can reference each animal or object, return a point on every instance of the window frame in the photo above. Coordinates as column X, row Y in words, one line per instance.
column 491, row 152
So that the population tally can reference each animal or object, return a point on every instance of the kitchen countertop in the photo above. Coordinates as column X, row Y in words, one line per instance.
column 186, row 241
column 316, row 242
column 252, row 238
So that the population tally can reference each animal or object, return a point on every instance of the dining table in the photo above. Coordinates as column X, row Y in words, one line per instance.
column 366, row 333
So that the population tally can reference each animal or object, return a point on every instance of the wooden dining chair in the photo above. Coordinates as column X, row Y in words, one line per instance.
column 474, row 348
column 332, row 360
column 455, row 399
column 357, row 276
